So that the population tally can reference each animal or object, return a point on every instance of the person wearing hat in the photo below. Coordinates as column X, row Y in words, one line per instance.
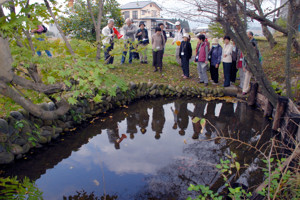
column 142, row 37
column 129, row 36
column 202, row 59
column 178, row 39
column 215, row 56
column 185, row 55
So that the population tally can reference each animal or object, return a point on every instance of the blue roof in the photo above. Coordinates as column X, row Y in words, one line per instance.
column 137, row 5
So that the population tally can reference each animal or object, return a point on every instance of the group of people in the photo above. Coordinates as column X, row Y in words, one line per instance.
column 206, row 56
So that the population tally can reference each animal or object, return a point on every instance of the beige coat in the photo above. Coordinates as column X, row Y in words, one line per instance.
column 227, row 50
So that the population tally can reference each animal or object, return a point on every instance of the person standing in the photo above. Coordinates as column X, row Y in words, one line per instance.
column 251, row 37
column 142, row 36
column 163, row 32
column 185, row 55
column 202, row 59
column 178, row 39
column 108, row 41
column 241, row 68
column 215, row 56
column 40, row 30
column 235, row 55
column 129, row 36
column 227, row 60
column 248, row 74
column 158, row 43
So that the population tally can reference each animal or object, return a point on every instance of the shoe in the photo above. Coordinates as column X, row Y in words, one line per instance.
column 185, row 77
column 205, row 84
column 201, row 82
column 211, row 81
column 244, row 93
column 160, row 70
column 142, row 62
column 145, row 62
column 214, row 83
column 182, row 75
column 155, row 70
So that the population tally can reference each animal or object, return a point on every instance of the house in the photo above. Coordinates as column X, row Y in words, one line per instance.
column 148, row 12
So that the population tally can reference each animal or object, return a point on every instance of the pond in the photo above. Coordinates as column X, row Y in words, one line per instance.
column 152, row 149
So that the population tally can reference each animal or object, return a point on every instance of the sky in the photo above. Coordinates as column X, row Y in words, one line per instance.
column 171, row 5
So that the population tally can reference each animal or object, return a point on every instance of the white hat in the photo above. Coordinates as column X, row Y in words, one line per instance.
column 177, row 23
column 186, row 35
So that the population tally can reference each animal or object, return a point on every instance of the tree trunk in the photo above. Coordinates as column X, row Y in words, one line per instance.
column 6, row 73
column 269, row 36
column 265, row 29
column 59, row 28
column 98, row 30
column 291, row 19
column 97, row 25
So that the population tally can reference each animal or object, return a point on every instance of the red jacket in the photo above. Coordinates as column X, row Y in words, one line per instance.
column 200, row 52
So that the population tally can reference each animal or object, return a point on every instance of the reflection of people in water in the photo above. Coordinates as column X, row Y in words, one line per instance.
column 131, row 124
column 158, row 118
column 175, row 112
column 198, row 113
column 142, row 117
column 211, row 117
column 183, row 118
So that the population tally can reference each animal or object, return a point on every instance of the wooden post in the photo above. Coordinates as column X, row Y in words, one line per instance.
column 280, row 110
column 253, row 93
column 268, row 109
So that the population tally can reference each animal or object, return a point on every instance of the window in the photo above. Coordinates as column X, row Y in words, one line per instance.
column 134, row 14
column 153, row 13
column 144, row 12
column 126, row 14
column 150, row 5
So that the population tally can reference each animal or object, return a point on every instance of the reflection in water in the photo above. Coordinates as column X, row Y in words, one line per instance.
column 157, row 165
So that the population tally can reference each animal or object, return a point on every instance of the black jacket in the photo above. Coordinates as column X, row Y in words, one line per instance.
column 165, row 35
column 140, row 37
column 186, row 47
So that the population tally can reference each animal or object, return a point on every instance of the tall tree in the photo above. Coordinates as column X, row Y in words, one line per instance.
column 59, row 28
column 97, row 24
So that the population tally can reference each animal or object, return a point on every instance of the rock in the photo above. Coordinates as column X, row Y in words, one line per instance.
column 231, row 91
column 132, row 85
column 24, row 113
column 16, row 149
column 19, row 156
column 48, row 122
column 17, row 115
column 179, row 89
column 20, row 141
column 149, row 85
column 39, row 122
column 45, row 106
column 161, row 92
column 51, row 106
column 42, row 140
column 70, row 124
column 26, row 148
column 108, row 99
column 6, row 157
column 154, row 86
column 153, row 92
column 3, row 137
column 54, row 137
column 46, row 133
column 61, row 124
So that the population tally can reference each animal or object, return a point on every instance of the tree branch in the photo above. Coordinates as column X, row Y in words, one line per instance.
column 62, row 106
column 39, row 87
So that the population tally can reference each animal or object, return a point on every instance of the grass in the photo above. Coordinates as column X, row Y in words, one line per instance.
column 273, row 65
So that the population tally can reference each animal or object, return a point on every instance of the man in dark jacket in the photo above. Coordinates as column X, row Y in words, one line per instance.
column 185, row 54
column 142, row 37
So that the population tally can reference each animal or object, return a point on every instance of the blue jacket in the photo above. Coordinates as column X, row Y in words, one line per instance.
column 215, row 55
column 140, row 37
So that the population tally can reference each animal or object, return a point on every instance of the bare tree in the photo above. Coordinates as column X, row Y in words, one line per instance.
column 97, row 24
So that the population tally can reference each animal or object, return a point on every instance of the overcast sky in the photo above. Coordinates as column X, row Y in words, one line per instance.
column 175, row 4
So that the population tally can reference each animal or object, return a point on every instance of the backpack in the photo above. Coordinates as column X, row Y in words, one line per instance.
column 45, row 29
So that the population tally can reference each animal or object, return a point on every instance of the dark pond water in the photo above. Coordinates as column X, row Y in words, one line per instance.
column 158, row 159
